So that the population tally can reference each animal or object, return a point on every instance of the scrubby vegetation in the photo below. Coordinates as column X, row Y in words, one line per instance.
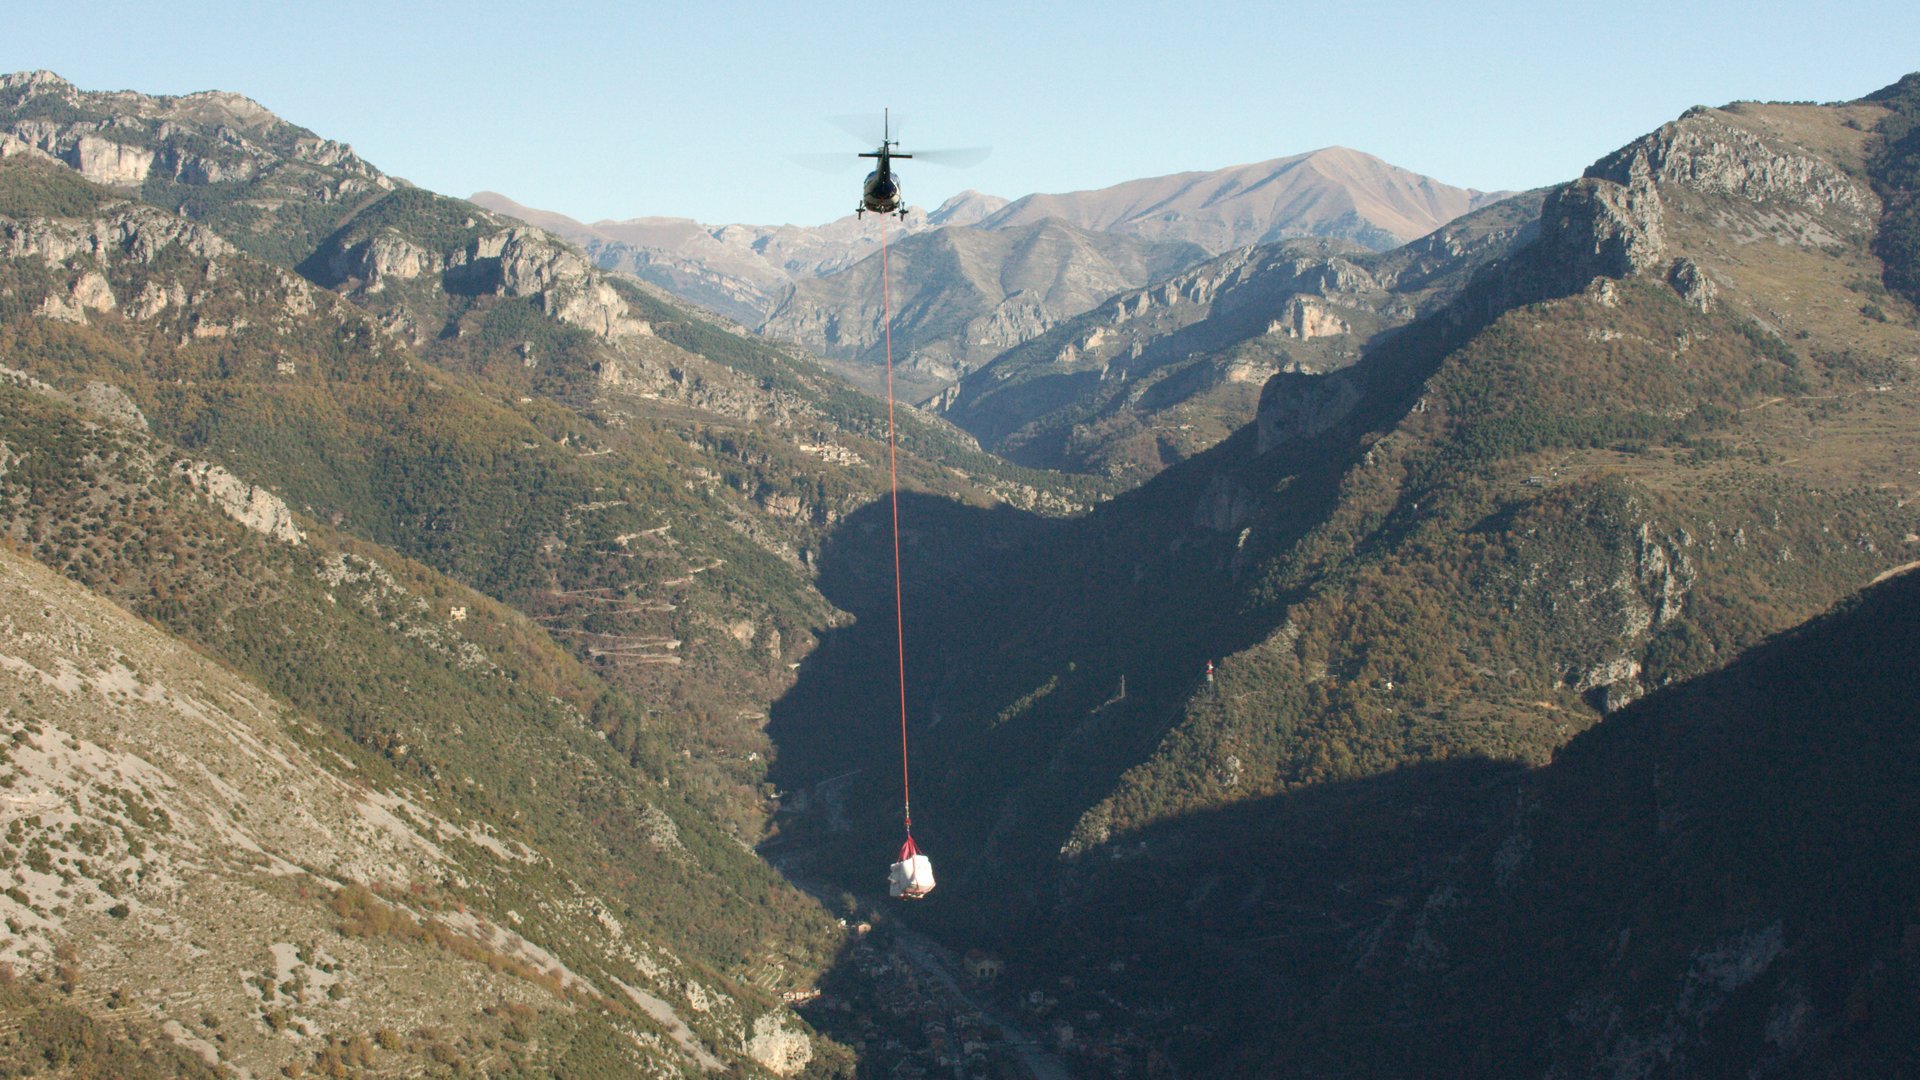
column 357, row 638
column 44, row 1033
column 29, row 188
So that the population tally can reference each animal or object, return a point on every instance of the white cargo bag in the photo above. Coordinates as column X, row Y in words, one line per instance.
column 912, row 876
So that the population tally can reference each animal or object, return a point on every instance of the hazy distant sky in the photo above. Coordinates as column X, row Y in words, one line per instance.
column 628, row 109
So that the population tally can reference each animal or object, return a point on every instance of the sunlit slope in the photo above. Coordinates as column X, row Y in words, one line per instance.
column 318, row 744
column 1155, row 375
column 1332, row 192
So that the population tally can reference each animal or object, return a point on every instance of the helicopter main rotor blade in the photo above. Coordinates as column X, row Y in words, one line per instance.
column 958, row 157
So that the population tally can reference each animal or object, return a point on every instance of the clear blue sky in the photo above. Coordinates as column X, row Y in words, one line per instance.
column 629, row 109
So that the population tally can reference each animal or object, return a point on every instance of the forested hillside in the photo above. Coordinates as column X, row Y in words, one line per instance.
column 1715, row 880
column 327, row 740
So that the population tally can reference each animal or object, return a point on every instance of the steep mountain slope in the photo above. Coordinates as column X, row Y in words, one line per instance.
column 1714, row 881
column 341, row 763
column 1155, row 375
column 1661, row 429
column 961, row 296
column 1335, row 192
column 1895, row 170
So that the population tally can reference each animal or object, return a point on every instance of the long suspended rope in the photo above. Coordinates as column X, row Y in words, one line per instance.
column 893, row 478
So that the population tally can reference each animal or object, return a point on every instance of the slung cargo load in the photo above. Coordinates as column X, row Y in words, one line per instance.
column 912, row 876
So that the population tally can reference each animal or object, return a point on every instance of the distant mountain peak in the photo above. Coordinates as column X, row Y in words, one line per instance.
column 1332, row 191
column 970, row 207
column 33, row 80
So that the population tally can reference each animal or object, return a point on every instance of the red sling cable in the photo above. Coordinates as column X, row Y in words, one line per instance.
column 893, row 477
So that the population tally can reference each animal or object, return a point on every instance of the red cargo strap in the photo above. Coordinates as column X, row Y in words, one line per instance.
column 893, row 477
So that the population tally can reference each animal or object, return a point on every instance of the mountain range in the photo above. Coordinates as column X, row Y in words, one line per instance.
column 1154, row 375
column 986, row 273
column 1334, row 192
column 424, row 643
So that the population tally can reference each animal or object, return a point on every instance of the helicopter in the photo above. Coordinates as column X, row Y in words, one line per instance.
column 880, row 192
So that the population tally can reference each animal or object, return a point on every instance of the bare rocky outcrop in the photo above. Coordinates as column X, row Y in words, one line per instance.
column 1306, row 320
column 1597, row 228
column 1693, row 284
column 12, row 145
column 383, row 257
column 99, row 399
column 1703, row 152
column 88, row 250
column 111, row 163
column 1225, row 505
column 124, row 230
column 249, row 504
column 112, row 404
column 778, row 1048
column 1613, row 222
column 512, row 262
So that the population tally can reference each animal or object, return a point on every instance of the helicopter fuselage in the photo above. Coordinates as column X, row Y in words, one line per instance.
column 880, row 192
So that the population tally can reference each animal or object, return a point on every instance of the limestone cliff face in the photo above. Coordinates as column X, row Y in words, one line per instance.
column 105, row 162
column 571, row 290
column 218, row 158
column 85, row 253
column 1713, row 167
column 1703, row 152
column 1306, row 320
column 506, row 261
column 123, row 139
column 778, row 1049
column 125, row 230
column 380, row 258
column 1600, row 228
